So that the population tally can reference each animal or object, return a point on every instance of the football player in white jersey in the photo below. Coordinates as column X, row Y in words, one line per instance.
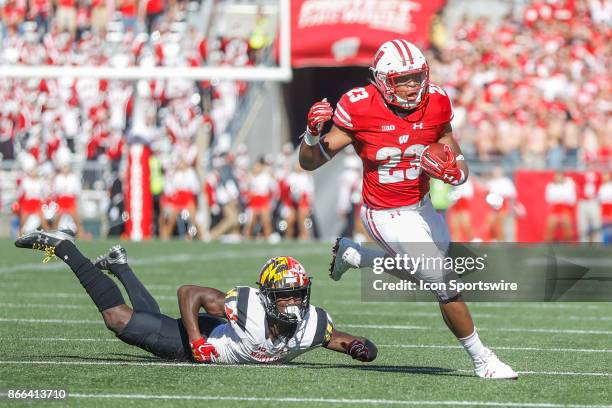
column 271, row 324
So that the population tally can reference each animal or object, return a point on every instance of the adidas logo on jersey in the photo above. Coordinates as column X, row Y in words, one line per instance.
column 387, row 128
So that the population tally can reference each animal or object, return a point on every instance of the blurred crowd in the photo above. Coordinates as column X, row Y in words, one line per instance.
column 534, row 89
column 268, row 199
column 50, row 123
column 574, row 206
column 96, row 117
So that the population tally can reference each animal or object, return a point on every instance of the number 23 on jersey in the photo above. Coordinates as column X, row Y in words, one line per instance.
column 392, row 156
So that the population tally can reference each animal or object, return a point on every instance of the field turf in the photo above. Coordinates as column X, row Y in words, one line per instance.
column 52, row 337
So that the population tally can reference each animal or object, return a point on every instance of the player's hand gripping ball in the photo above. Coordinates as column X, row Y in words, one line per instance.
column 438, row 160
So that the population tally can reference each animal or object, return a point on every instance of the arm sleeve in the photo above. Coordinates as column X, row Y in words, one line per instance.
column 324, row 329
column 342, row 115
column 441, row 107
column 236, row 309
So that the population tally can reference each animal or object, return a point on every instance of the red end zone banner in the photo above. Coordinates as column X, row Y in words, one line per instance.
column 531, row 190
column 348, row 32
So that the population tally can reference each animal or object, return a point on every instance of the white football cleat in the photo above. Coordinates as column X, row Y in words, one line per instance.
column 489, row 366
column 340, row 254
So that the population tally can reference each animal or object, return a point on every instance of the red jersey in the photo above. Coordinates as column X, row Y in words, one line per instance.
column 390, row 146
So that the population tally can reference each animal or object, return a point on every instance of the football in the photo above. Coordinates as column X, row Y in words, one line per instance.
column 437, row 149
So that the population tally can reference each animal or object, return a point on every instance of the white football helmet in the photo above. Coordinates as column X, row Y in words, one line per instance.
column 399, row 62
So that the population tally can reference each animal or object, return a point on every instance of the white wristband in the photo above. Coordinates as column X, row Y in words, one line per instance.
column 309, row 139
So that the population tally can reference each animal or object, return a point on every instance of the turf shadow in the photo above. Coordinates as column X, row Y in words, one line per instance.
column 387, row 368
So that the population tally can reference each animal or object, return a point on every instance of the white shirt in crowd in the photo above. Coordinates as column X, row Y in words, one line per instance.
column 300, row 183
column 349, row 190
column 561, row 193
column 605, row 193
column 503, row 187
column 182, row 180
column 34, row 188
column 590, row 186
column 67, row 184
column 262, row 184
column 465, row 190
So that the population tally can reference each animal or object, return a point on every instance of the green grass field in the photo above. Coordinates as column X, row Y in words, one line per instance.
column 52, row 337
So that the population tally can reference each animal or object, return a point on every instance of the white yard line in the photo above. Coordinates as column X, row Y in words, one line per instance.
column 49, row 306
column 79, row 295
column 274, row 366
column 450, row 347
column 484, row 329
column 339, row 312
column 152, row 363
column 61, row 339
column 497, row 305
column 53, row 321
column 409, row 346
column 359, row 326
column 478, row 315
column 347, row 401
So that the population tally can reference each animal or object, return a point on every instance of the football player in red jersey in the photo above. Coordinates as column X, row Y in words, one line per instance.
column 391, row 123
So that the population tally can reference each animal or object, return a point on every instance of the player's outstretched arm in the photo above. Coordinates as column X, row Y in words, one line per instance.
column 191, row 298
column 316, row 150
column 359, row 348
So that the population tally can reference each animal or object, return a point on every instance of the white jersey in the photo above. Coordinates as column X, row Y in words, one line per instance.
column 300, row 183
column 182, row 180
column 245, row 338
column 262, row 184
column 502, row 186
column 67, row 184
column 33, row 188
column 605, row 193
column 561, row 193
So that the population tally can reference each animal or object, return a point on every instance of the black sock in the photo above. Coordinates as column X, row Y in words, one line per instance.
column 141, row 299
column 102, row 290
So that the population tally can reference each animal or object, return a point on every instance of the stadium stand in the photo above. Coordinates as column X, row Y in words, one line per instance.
column 531, row 90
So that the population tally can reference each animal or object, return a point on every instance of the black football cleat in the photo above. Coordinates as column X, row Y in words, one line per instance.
column 116, row 255
column 45, row 241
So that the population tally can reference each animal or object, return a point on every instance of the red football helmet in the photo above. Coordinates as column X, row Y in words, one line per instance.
column 399, row 62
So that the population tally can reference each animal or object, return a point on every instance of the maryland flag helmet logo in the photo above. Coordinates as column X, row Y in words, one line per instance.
column 283, row 277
